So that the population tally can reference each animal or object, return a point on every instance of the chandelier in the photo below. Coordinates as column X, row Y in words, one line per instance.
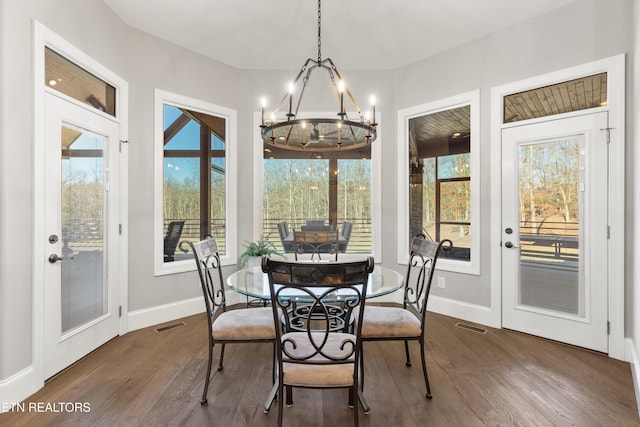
column 318, row 134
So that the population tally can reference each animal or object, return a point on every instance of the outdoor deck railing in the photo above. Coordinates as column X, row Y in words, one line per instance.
column 538, row 238
column 360, row 240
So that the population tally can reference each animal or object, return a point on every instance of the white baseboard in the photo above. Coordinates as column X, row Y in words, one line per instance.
column 164, row 313
column 632, row 357
column 462, row 310
column 18, row 387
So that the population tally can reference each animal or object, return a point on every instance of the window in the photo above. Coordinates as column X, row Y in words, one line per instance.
column 572, row 95
column 193, row 147
column 333, row 191
column 68, row 78
column 439, row 176
column 304, row 188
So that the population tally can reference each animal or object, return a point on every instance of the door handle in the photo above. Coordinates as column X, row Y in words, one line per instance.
column 509, row 245
column 53, row 258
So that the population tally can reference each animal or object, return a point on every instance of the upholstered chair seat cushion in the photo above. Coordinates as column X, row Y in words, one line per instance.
column 386, row 322
column 310, row 375
column 244, row 324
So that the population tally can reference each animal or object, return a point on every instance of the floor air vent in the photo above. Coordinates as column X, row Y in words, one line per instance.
column 471, row 328
column 173, row 326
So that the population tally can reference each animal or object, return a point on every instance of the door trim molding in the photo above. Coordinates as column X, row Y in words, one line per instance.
column 615, row 67
column 42, row 36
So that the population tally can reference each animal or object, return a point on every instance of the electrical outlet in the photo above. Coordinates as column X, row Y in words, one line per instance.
column 440, row 282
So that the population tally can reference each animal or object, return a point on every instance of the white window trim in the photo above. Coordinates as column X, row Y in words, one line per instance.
column 472, row 99
column 162, row 97
column 614, row 66
column 376, row 185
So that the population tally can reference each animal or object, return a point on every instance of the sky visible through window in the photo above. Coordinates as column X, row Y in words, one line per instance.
column 183, row 169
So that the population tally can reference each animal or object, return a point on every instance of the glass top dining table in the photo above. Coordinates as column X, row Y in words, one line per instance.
column 255, row 284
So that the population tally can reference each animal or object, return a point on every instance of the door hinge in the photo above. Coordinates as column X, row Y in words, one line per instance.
column 119, row 311
column 120, row 229
column 608, row 232
column 608, row 130
column 122, row 141
column 608, row 327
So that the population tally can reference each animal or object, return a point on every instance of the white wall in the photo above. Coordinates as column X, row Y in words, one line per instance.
column 633, row 294
column 576, row 34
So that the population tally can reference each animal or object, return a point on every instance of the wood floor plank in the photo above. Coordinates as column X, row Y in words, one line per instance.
column 500, row 378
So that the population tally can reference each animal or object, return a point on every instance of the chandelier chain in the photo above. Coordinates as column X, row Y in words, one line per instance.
column 319, row 34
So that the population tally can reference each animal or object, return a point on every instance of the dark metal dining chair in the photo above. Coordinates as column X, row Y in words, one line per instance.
column 318, row 347
column 407, row 323
column 247, row 325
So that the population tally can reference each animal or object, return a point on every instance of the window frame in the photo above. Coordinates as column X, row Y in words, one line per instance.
column 472, row 99
column 376, row 185
column 162, row 97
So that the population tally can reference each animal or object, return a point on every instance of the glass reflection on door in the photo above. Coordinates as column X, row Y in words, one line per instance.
column 550, row 176
column 82, row 227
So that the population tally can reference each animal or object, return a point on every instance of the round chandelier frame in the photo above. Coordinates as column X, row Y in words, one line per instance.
column 324, row 133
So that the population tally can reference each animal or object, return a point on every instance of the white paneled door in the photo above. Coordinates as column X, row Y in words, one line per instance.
column 555, row 229
column 81, row 205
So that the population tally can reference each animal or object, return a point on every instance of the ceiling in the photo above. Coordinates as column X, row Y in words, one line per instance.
column 356, row 34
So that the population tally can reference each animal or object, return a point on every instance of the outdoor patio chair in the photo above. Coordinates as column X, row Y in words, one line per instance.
column 171, row 239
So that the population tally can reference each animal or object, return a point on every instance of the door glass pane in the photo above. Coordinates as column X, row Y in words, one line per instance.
column 83, row 292
column 550, row 198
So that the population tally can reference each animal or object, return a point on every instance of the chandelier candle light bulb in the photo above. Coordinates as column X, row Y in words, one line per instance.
column 273, row 130
column 341, row 90
column 304, row 133
column 292, row 89
column 372, row 101
column 263, row 104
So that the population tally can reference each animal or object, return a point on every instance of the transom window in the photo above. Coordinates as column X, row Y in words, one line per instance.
column 571, row 95
column 68, row 78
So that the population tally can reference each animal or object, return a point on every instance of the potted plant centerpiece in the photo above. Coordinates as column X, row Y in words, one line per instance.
column 254, row 251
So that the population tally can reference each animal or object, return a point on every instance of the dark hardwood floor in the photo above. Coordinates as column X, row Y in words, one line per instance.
column 501, row 378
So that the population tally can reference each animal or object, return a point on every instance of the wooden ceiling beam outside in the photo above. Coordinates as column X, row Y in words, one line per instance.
column 216, row 124
column 175, row 127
